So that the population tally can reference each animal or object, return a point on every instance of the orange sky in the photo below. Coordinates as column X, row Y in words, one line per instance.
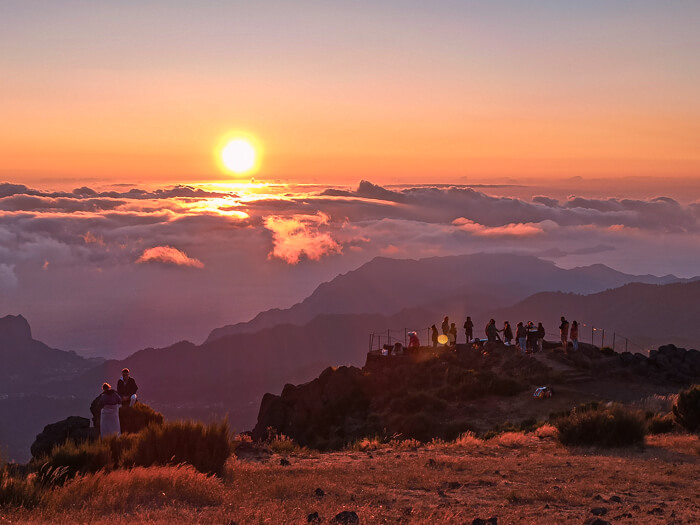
column 388, row 94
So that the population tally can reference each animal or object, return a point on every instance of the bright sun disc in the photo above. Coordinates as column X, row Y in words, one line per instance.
column 239, row 156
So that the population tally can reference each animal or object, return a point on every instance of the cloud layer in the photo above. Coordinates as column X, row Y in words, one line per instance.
column 74, row 257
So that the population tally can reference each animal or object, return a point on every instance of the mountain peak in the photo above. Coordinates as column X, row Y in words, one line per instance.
column 14, row 328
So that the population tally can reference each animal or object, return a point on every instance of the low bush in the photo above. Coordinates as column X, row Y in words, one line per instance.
column 660, row 424
column 69, row 459
column 686, row 409
column 612, row 426
column 205, row 447
column 137, row 417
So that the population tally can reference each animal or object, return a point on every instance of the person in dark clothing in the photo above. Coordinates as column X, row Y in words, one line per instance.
column 492, row 332
column 564, row 331
column 574, row 335
column 126, row 388
column 507, row 333
column 446, row 326
column 521, row 336
column 469, row 329
column 540, row 336
column 531, row 337
column 434, row 335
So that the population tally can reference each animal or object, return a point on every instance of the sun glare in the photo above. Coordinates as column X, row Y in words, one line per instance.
column 239, row 155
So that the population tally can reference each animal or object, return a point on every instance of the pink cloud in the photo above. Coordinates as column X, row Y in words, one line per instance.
column 168, row 255
column 516, row 229
column 299, row 235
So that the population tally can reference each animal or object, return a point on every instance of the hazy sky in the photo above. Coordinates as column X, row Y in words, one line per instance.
column 390, row 91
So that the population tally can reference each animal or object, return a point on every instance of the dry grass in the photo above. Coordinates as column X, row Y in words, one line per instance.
column 518, row 478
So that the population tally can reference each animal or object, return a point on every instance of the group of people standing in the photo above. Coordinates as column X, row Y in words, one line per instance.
column 107, row 404
column 528, row 337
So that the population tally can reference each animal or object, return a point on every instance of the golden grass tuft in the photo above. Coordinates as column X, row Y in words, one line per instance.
column 511, row 440
column 547, row 431
column 126, row 490
column 467, row 440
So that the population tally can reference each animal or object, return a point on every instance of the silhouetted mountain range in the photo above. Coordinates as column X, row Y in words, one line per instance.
column 647, row 314
column 478, row 282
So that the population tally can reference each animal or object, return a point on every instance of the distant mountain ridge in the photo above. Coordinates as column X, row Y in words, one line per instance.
column 23, row 357
column 647, row 314
column 386, row 286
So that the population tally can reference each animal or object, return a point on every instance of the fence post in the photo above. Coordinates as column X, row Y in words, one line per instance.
column 592, row 330
column 602, row 341
column 388, row 336
column 613, row 341
column 625, row 344
column 405, row 341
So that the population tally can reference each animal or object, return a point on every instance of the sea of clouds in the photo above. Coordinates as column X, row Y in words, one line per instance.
column 110, row 272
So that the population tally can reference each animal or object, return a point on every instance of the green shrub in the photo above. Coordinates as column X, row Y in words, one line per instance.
column 660, row 424
column 205, row 447
column 70, row 458
column 613, row 426
column 137, row 417
column 686, row 409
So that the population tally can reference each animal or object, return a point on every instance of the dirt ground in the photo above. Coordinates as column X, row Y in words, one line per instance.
column 515, row 478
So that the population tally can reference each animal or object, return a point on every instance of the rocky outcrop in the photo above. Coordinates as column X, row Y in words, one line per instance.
column 75, row 428
column 332, row 405
column 409, row 395
column 668, row 363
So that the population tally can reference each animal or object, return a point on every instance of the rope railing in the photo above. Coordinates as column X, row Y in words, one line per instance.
column 393, row 335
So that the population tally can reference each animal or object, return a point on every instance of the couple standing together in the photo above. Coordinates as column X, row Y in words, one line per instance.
column 109, row 402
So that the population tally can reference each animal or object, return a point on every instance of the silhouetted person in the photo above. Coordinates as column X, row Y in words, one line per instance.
column 126, row 388
column 574, row 335
column 531, row 336
column 507, row 333
column 469, row 329
column 446, row 325
column 413, row 341
column 540, row 336
column 521, row 335
column 452, row 335
column 492, row 331
column 564, row 331
column 434, row 335
column 109, row 411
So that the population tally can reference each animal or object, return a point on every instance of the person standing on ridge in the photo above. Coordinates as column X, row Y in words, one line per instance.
column 469, row 329
column 434, row 335
column 126, row 388
column 446, row 325
column 540, row 337
column 109, row 402
column 507, row 333
column 492, row 332
column 521, row 336
column 574, row 335
column 564, row 331
column 452, row 336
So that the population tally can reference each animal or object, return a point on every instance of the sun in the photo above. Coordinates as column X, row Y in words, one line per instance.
column 239, row 155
